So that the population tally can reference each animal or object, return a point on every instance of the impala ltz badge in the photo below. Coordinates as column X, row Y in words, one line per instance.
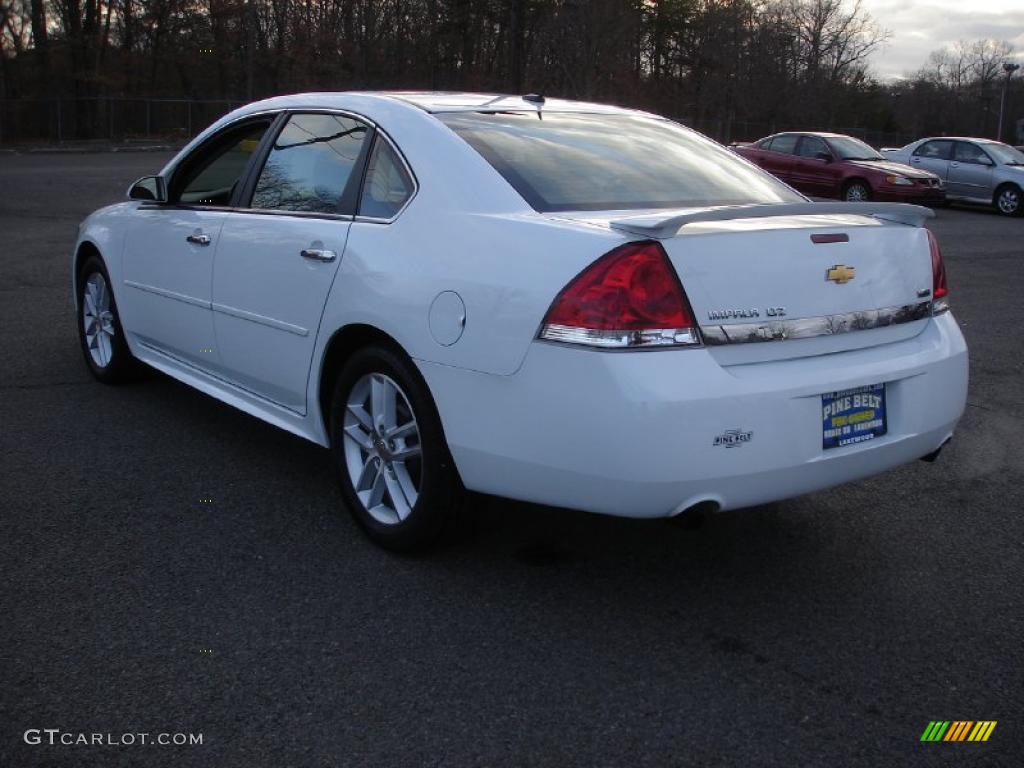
column 840, row 273
column 733, row 438
column 730, row 314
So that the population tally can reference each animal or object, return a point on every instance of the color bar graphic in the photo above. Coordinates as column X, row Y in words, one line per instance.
column 935, row 730
column 982, row 730
column 958, row 730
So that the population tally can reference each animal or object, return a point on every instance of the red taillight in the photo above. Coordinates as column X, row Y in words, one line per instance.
column 940, row 291
column 630, row 297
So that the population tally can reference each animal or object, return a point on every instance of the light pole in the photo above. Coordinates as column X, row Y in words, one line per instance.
column 1009, row 68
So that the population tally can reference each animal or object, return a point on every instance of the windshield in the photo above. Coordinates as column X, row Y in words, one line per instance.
column 589, row 162
column 1005, row 154
column 848, row 148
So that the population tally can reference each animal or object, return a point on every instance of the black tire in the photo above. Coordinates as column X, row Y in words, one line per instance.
column 856, row 191
column 1009, row 200
column 120, row 366
column 440, row 492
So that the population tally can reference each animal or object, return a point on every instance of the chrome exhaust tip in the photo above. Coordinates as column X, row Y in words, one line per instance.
column 695, row 515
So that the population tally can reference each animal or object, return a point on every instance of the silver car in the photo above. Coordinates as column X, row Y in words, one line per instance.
column 975, row 170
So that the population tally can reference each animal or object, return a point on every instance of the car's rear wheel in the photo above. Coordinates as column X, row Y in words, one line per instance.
column 1009, row 200
column 856, row 191
column 99, row 326
column 393, row 465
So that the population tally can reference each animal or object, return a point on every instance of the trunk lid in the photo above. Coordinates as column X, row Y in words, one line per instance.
column 783, row 287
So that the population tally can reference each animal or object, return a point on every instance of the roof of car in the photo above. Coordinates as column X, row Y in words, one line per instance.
column 820, row 134
column 439, row 101
column 960, row 138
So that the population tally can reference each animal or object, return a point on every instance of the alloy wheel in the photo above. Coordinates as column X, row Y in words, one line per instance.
column 856, row 193
column 98, row 320
column 1008, row 201
column 382, row 448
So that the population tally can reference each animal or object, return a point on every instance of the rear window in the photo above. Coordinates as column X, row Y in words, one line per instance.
column 587, row 162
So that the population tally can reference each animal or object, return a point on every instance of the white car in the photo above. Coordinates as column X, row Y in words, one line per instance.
column 559, row 302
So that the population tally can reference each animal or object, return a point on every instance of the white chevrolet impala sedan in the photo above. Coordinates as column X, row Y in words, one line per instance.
column 565, row 303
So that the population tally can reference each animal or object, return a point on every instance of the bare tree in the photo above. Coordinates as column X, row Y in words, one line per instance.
column 733, row 68
column 958, row 88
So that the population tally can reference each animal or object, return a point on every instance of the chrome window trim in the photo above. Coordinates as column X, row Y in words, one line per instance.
column 813, row 327
column 250, row 211
column 296, row 214
column 183, row 207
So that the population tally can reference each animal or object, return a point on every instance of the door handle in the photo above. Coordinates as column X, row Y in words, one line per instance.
column 318, row 254
column 954, row 165
column 198, row 238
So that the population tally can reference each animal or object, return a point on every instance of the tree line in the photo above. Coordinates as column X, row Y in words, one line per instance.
column 732, row 68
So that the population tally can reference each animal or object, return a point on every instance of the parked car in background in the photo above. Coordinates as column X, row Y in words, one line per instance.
column 833, row 165
column 975, row 170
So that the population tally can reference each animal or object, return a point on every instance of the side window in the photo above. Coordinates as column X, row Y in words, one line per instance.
column 966, row 152
column 934, row 150
column 387, row 185
column 310, row 164
column 786, row 143
column 209, row 175
column 812, row 146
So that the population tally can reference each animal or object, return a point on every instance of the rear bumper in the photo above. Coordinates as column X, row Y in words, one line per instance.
column 633, row 434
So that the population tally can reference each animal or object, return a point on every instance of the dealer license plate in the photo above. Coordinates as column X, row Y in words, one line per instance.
column 852, row 416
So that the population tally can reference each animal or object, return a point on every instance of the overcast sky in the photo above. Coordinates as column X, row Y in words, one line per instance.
column 918, row 27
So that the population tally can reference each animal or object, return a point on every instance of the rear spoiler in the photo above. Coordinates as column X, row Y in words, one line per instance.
column 668, row 224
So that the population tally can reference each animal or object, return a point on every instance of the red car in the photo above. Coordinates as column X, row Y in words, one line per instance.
column 833, row 165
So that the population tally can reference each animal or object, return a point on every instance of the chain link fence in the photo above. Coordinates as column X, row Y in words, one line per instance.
column 56, row 121
column 106, row 119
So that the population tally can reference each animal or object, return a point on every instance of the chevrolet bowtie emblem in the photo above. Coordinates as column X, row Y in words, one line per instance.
column 840, row 273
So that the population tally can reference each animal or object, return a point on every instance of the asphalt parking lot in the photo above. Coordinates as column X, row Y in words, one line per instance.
column 824, row 631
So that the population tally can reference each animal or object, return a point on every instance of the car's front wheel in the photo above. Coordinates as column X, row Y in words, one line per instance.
column 393, row 465
column 99, row 326
column 1009, row 200
column 856, row 192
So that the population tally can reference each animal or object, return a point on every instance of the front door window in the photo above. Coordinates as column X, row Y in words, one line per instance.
column 210, row 175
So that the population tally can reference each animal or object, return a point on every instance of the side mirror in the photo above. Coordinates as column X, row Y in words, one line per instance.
column 824, row 156
column 151, row 188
